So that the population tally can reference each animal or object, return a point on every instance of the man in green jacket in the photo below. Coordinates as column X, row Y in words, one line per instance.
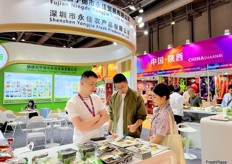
column 126, row 110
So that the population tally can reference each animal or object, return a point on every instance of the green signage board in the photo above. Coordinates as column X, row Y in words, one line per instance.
column 39, row 71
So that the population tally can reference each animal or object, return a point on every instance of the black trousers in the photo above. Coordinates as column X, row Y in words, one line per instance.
column 33, row 114
column 178, row 119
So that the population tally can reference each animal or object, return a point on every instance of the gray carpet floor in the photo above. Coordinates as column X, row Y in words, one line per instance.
column 20, row 141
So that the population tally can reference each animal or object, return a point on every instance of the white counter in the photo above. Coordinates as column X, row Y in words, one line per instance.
column 216, row 141
column 165, row 157
column 201, row 112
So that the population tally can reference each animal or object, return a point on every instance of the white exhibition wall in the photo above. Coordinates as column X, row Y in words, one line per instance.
column 21, row 52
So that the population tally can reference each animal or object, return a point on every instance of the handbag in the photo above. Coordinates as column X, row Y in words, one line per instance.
column 174, row 141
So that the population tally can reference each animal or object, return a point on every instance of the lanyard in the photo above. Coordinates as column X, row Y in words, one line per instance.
column 91, row 111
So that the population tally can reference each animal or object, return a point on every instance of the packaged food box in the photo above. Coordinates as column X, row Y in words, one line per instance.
column 87, row 150
column 116, row 157
column 67, row 155
column 140, row 152
column 105, row 149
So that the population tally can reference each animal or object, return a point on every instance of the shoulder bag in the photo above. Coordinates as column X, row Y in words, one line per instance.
column 174, row 141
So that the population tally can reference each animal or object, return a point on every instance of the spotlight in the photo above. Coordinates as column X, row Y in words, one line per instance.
column 114, row 43
column 169, row 46
column 138, row 19
column 23, row 40
column 13, row 38
column 141, row 25
column 145, row 32
column 141, row 10
column 173, row 22
column 132, row 7
column 227, row 32
column 187, row 41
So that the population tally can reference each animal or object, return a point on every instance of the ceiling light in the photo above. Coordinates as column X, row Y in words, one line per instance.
column 139, row 19
column 226, row 73
column 145, row 32
column 114, row 43
column 71, row 47
column 169, row 46
column 64, row 46
column 13, row 38
column 132, row 7
column 141, row 10
column 227, row 32
column 23, row 40
column 187, row 41
column 173, row 22
column 141, row 25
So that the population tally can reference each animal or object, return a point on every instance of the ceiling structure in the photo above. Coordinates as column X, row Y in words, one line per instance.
column 153, row 9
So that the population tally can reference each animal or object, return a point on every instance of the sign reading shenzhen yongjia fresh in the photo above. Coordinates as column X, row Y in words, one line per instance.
column 3, row 56
column 93, row 15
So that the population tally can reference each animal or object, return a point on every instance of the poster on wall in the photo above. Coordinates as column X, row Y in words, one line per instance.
column 65, row 87
column 194, row 83
column 22, row 87
column 109, row 92
column 101, row 90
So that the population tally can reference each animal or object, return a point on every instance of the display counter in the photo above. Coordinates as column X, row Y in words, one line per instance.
column 216, row 140
column 163, row 157
column 199, row 112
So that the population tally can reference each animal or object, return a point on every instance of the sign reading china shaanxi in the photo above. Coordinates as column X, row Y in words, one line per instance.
column 193, row 56
column 3, row 56
column 94, row 15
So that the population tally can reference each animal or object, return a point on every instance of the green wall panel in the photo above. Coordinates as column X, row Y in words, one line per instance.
column 39, row 69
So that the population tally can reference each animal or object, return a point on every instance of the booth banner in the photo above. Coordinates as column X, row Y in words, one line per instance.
column 182, row 70
column 101, row 90
column 98, row 71
column 109, row 92
column 112, row 70
column 219, row 66
column 94, row 15
column 147, row 74
column 200, row 53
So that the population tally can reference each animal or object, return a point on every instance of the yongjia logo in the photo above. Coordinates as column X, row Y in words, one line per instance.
column 3, row 56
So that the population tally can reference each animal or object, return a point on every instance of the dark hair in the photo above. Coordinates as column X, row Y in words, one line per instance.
column 31, row 101
column 176, row 88
column 171, row 88
column 118, row 78
column 230, row 86
column 162, row 90
column 88, row 74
